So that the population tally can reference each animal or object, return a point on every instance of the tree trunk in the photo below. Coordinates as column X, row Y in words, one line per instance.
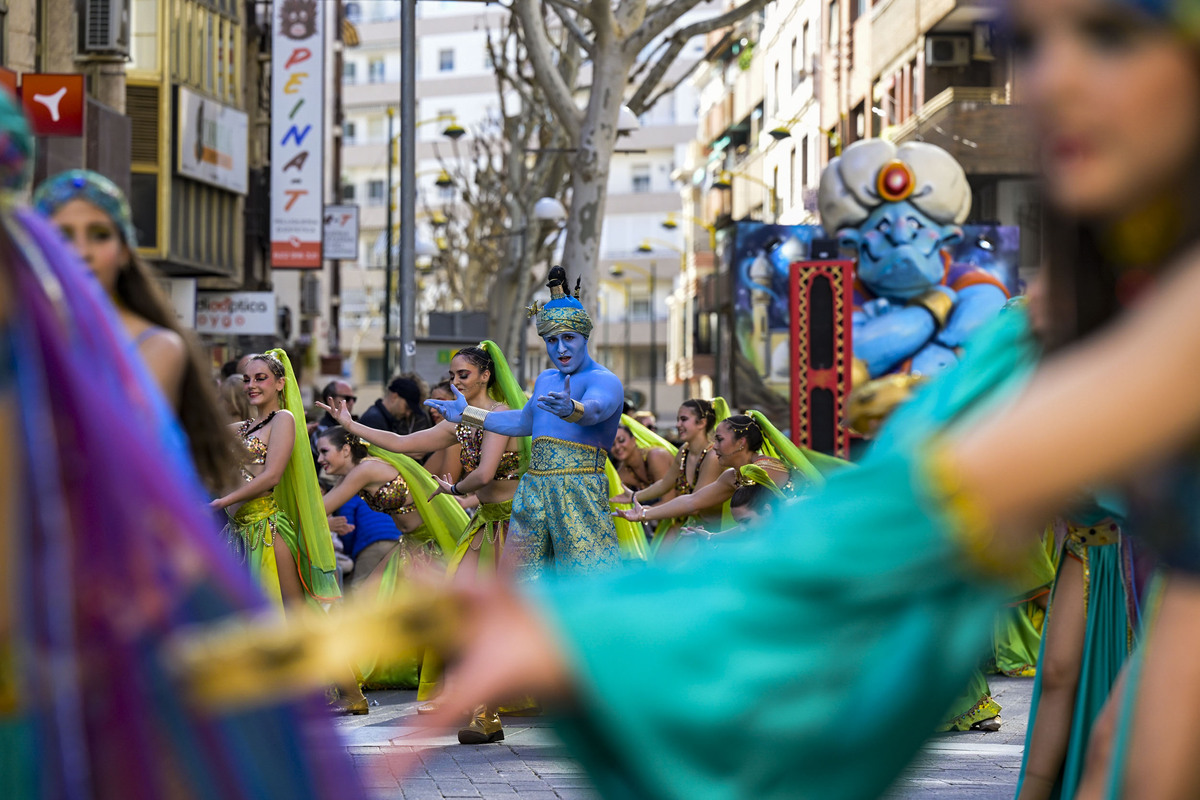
column 589, row 175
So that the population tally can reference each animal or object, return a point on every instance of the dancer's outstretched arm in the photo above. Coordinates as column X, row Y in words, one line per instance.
column 1012, row 464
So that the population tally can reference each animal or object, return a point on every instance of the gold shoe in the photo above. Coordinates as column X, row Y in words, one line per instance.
column 356, row 706
column 431, row 707
column 485, row 728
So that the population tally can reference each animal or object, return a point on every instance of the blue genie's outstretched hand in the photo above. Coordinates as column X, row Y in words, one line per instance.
column 900, row 208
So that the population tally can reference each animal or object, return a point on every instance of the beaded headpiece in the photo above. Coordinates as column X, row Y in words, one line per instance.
column 83, row 184
column 564, row 312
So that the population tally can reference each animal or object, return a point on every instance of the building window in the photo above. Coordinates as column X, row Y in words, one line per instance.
column 640, row 309
column 376, row 193
column 446, row 60
column 797, row 64
column 353, row 12
column 349, row 72
column 792, row 183
column 488, row 63
column 349, row 130
column 835, row 23
column 376, row 70
column 348, row 192
column 641, row 178
column 804, row 162
column 775, row 88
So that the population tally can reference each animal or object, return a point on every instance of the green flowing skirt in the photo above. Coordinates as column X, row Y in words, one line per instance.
column 1108, row 639
column 974, row 705
column 399, row 671
column 485, row 534
column 256, row 524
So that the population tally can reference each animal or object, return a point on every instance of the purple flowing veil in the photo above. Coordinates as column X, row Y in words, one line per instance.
column 114, row 550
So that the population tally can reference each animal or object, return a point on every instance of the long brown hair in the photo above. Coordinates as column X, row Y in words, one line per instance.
column 1084, row 280
column 211, row 444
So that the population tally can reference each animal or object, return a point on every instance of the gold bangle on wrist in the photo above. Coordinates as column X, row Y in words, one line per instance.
column 474, row 417
column 577, row 414
column 937, row 303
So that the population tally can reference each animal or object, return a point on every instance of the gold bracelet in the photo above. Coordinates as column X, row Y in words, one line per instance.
column 937, row 303
column 577, row 414
column 474, row 417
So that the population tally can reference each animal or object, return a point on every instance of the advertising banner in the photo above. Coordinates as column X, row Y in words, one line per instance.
column 341, row 232
column 236, row 312
column 297, row 135
column 212, row 142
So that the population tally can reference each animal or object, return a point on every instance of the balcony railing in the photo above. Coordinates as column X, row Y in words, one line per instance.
column 979, row 126
column 985, row 95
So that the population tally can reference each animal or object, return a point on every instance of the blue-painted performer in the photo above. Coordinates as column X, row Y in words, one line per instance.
column 560, row 520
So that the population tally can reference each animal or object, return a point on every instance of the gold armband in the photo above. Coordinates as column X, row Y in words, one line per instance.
column 577, row 414
column 937, row 303
column 474, row 417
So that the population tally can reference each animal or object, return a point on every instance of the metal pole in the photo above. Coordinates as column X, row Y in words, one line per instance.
column 408, row 204
column 653, row 343
column 522, row 345
column 389, row 284
column 628, row 337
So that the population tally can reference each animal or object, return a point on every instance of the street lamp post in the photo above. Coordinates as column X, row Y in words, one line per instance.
column 388, row 262
column 408, row 166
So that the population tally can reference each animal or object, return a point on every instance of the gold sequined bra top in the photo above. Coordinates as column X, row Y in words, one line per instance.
column 471, row 449
column 389, row 498
column 255, row 447
column 682, row 484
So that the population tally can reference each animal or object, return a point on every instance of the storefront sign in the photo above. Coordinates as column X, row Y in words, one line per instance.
column 341, row 232
column 297, row 134
column 53, row 103
column 236, row 312
column 212, row 142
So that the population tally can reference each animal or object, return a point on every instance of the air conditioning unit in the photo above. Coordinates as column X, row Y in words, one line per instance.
column 310, row 295
column 103, row 27
column 947, row 51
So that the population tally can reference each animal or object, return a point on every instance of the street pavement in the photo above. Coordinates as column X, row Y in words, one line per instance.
column 398, row 758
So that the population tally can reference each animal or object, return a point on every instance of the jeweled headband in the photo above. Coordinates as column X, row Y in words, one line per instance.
column 83, row 184
column 563, row 313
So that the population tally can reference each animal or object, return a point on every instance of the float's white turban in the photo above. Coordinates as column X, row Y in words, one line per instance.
column 872, row 172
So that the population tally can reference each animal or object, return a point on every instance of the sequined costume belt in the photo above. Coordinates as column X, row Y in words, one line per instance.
column 559, row 457
column 252, row 522
column 1096, row 536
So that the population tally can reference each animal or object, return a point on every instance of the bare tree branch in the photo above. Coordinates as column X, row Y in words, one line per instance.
column 704, row 26
column 538, row 48
column 657, row 20
column 579, row 8
column 572, row 27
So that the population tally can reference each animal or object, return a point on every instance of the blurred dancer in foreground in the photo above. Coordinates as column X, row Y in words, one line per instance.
column 107, row 549
column 94, row 216
column 951, row 497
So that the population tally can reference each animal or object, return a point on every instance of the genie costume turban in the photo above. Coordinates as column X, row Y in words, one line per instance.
column 83, row 184
column 563, row 313
column 875, row 171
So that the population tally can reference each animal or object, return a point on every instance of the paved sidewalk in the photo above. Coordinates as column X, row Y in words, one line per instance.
column 398, row 758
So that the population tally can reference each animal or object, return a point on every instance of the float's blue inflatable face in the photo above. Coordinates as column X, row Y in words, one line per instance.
column 900, row 250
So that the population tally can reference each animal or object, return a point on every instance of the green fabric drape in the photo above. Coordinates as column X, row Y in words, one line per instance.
column 299, row 497
column 721, row 410
column 646, row 437
column 773, row 643
column 1106, row 645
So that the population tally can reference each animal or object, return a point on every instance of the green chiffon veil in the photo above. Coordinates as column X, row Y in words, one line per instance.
column 813, row 465
column 721, row 409
column 443, row 516
column 510, row 392
column 629, row 534
column 646, row 437
column 299, row 495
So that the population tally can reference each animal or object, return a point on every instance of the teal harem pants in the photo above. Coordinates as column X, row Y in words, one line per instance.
column 560, row 519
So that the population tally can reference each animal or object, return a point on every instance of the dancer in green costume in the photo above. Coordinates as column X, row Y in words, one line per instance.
column 280, row 500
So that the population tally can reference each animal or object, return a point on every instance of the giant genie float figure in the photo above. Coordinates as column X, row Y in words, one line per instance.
column 900, row 208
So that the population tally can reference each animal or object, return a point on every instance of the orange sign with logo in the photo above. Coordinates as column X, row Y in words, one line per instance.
column 8, row 79
column 53, row 103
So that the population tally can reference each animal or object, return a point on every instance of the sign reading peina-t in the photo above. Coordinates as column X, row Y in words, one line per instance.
column 297, row 134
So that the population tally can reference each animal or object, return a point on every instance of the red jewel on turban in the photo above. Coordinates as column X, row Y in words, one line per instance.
column 896, row 181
